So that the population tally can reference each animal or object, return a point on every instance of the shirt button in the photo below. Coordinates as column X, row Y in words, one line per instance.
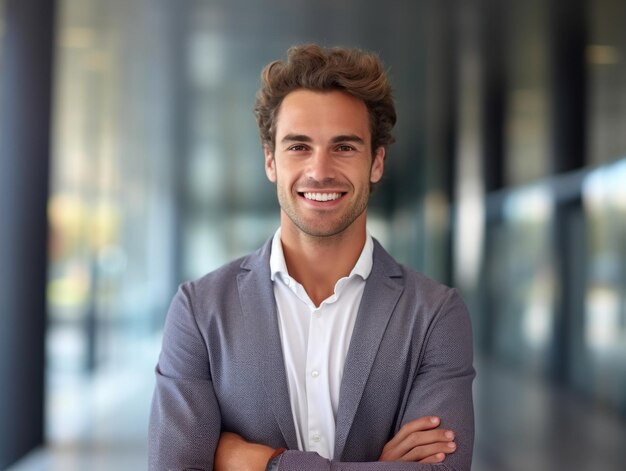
column 315, row 373
column 317, row 314
column 316, row 438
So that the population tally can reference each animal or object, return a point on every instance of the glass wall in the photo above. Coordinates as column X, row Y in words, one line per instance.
column 604, row 198
column 605, row 294
column 522, row 280
column 553, row 284
column 229, row 204
column 111, row 207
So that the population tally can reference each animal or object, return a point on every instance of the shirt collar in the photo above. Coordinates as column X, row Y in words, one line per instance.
column 362, row 268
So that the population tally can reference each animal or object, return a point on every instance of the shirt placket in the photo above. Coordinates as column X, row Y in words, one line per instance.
column 317, row 381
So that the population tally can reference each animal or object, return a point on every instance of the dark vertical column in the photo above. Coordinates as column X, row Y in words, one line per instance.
column 567, row 41
column 451, row 130
column 574, row 268
column 493, row 43
column 442, row 134
column 568, row 90
column 493, row 113
column 25, row 102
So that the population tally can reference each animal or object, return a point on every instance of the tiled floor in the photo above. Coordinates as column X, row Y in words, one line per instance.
column 521, row 424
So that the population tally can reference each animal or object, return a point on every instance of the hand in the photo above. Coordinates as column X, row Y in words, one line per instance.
column 420, row 440
column 235, row 454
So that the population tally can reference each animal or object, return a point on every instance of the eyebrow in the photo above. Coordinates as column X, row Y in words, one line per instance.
column 348, row 138
column 342, row 138
column 296, row 137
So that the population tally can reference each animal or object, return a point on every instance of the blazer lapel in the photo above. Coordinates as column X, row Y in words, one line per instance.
column 256, row 294
column 379, row 300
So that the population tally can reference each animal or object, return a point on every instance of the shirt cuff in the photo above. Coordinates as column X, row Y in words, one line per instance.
column 273, row 462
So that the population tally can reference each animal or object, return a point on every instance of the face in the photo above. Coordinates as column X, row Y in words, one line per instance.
column 322, row 164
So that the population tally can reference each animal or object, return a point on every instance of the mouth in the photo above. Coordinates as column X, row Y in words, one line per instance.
column 321, row 197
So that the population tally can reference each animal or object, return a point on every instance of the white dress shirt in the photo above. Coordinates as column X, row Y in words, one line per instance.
column 315, row 342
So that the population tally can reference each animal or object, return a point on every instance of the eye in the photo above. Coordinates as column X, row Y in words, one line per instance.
column 345, row 148
column 297, row 148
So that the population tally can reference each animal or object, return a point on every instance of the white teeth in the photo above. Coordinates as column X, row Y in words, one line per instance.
column 322, row 196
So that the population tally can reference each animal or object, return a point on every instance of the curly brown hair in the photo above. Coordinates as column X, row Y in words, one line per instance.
column 358, row 73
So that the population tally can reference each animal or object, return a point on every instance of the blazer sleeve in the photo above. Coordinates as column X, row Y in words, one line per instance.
column 442, row 386
column 185, row 419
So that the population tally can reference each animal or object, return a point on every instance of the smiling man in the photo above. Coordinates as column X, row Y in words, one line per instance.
column 318, row 351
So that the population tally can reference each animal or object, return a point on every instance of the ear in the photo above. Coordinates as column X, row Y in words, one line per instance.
column 270, row 164
column 378, row 165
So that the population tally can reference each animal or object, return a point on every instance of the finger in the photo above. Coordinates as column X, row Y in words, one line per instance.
column 422, row 438
column 423, row 423
column 397, row 450
column 424, row 451
column 432, row 459
column 404, row 441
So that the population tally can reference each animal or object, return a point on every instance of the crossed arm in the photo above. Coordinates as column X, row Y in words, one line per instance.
column 187, row 427
column 420, row 440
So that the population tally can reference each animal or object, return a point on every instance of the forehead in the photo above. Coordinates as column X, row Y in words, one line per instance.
column 322, row 113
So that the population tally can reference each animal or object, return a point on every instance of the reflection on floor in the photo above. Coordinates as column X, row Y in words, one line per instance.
column 521, row 424
column 99, row 423
column 524, row 424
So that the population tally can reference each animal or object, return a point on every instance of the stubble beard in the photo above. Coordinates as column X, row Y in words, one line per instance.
column 332, row 225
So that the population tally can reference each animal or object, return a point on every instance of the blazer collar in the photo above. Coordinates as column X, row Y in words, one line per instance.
column 258, row 305
column 382, row 291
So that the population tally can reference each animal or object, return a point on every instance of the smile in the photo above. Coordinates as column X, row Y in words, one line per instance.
column 322, row 196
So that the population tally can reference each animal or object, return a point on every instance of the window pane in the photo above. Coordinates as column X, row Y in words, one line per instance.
column 606, row 59
column 605, row 305
column 522, row 281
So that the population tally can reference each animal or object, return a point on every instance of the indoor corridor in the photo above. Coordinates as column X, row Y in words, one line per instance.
column 130, row 162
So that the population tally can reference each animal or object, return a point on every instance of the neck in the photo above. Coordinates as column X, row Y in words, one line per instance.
column 317, row 263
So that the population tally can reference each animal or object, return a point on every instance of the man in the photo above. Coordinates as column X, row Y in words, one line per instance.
column 318, row 351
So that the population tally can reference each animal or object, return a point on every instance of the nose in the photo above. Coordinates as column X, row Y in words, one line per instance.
column 321, row 165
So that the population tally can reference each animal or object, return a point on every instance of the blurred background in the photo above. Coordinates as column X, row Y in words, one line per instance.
column 130, row 161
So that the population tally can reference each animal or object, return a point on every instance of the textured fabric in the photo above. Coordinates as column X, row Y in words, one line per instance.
column 315, row 342
column 221, row 368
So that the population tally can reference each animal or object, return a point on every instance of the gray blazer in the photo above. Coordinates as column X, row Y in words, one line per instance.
column 221, row 368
